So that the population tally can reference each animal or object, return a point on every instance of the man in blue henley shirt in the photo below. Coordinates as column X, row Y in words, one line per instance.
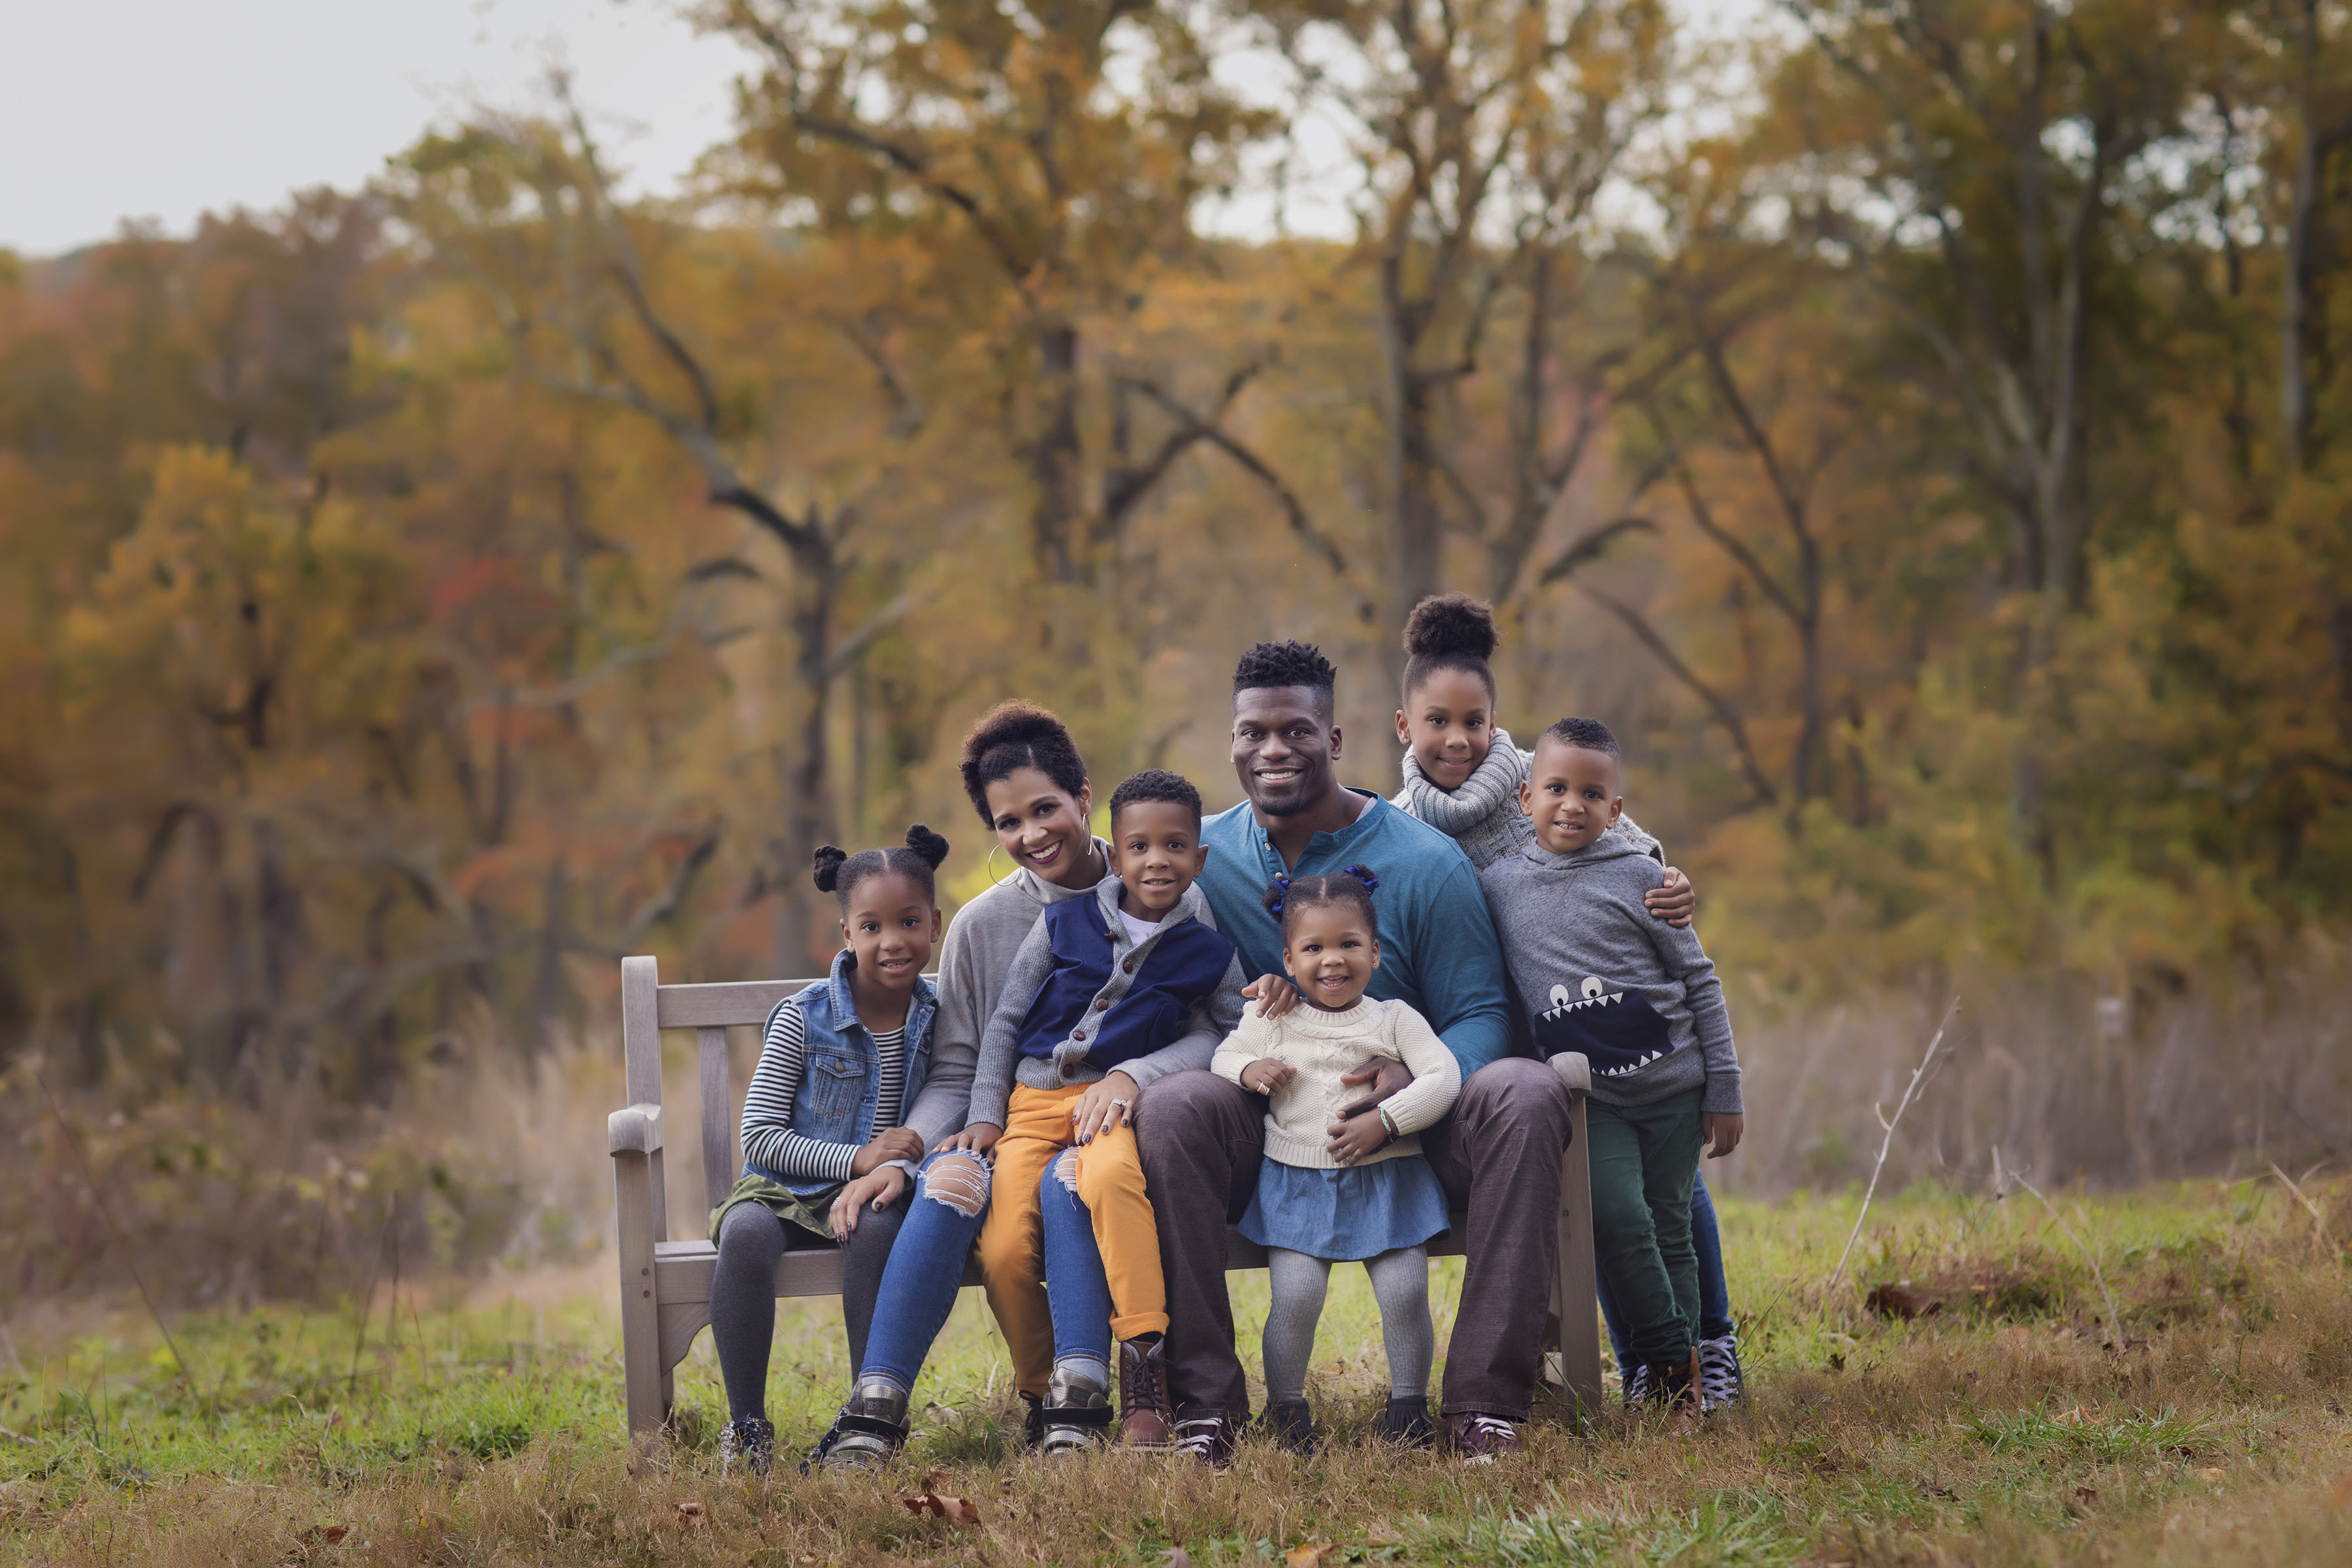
column 1497, row 1151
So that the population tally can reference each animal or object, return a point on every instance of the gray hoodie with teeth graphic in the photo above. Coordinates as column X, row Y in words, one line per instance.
column 1639, row 997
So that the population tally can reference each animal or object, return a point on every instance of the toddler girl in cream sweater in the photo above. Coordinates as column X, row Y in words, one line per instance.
column 1361, row 1193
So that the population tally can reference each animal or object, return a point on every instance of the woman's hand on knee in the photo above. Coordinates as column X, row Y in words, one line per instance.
column 876, row 1190
column 1103, row 1106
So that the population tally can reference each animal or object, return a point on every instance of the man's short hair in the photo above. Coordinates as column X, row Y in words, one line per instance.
column 1585, row 735
column 1286, row 664
column 1155, row 783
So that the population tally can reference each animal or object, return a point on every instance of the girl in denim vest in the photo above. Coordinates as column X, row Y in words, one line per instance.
column 834, row 1121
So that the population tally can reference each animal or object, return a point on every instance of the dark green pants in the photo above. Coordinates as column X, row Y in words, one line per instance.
column 1642, row 1159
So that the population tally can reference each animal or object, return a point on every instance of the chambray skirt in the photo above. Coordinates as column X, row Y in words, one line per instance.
column 1348, row 1215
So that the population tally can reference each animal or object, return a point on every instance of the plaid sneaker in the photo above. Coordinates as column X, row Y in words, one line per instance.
column 1479, row 1439
column 1637, row 1387
column 1718, row 1372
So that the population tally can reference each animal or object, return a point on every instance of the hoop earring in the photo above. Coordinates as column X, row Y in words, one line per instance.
column 989, row 866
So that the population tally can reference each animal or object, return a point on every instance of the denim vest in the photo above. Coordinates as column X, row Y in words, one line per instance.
column 841, row 1076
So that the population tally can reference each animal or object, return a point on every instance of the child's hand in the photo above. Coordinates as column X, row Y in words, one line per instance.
column 1358, row 1136
column 1266, row 1074
column 1103, row 1106
column 1274, row 995
column 897, row 1143
column 1674, row 902
column 1723, row 1129
column 977, row 1138
column 1387, row 1076
column 878, row 1190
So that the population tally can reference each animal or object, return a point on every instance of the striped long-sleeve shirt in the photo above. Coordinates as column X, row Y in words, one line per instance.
column 769, row 1141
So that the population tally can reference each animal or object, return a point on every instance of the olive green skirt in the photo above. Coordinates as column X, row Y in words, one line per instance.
column 812, row 1212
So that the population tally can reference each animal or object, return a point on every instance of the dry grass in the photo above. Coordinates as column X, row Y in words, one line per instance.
column 2002, row 1428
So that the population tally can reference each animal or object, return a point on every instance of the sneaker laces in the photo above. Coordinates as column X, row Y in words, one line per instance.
column 1718, row 1371
column 1637, row 1387
column 1198, row 1435
column 1491, row 1428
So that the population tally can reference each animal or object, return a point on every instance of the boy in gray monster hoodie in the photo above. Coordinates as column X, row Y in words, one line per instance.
column 1641, row 1000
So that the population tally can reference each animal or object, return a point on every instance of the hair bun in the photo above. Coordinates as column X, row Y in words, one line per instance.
column 1014, row 722
column 829, row 858
column 1446, row 624
column 930, row 845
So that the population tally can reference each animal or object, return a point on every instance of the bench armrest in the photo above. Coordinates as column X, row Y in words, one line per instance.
column 634, row 1129
column 1574, row 1071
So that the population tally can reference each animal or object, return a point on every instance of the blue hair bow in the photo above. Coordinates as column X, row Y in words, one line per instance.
column 1364, row 874
column 1282, row 894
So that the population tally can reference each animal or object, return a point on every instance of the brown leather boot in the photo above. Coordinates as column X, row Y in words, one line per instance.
column 1144, row 1418
column 1674, row 1388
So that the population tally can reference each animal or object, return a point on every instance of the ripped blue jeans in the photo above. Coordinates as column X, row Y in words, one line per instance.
column 926, row 1267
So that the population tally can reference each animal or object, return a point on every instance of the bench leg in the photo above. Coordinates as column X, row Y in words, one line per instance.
column 1579, row 1301
column 647, row 1379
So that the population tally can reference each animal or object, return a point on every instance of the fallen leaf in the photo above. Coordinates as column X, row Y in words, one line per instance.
column 1837, row 1361
column 329, row 1534
column 2211, row 1475
column 1177, row 1558
column 960, row 1509
column 2075, row 1418
column 1892, row 1300
column 1311, row 1554
column 2341, row 1496
column 690, row 1514
column 2088, row 1494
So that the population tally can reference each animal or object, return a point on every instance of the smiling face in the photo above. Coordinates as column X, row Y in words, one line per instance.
column 1331, row 952
column 1571, row 795
column 1158, row 851
column 891, row 924
column 1286, row 747
column 1040, row 826
column 1448, row 721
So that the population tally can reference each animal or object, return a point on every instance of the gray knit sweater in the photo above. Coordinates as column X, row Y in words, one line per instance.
column 1483, row 815
column 1639, row 997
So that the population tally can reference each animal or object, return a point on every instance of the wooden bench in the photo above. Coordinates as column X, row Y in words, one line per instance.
column 666, row 1284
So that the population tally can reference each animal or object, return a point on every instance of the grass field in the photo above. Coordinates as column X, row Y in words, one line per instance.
column 2010, row 1424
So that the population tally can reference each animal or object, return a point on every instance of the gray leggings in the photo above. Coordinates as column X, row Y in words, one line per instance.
column 743, row 1292
column 1401, row 1285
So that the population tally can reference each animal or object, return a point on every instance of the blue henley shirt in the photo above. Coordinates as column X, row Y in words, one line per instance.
column 1438, row 949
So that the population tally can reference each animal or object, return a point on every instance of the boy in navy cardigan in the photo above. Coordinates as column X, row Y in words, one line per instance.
column 1107, row 993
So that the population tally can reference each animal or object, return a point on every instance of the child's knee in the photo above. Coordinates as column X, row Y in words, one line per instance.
column 1107, row 1168
column 959, row 1180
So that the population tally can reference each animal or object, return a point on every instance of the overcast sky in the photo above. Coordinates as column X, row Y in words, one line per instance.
column 161, row 109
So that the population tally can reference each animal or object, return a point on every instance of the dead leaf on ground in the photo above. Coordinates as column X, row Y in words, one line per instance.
column 1893, row 1300
column 1177, row 1558
column 2213, row 1475
column 2088, row 1494
column 1312, row 1555
column 961, row 1509
column 2341, row 1497
column 328, row 1533
column 691, row 1513
column 2075, row 1418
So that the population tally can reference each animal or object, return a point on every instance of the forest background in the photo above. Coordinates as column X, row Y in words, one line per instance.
column 1919, row 429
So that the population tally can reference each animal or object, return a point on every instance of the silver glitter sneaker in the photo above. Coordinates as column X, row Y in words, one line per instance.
column 747, row 1448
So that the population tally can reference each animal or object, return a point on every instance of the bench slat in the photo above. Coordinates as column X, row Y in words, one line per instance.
column 682, row 1270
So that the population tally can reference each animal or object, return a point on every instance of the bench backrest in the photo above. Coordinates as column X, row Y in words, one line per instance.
column 647, row 1008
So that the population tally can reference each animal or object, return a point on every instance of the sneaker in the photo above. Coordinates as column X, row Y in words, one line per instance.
column 1480, row 1439
column 871, row 1428
column 1076, row 1413
column 747, row 1447
column 1720, row 1376
column 1209, row 1438
column 1289, row 1423
column 1144, row 1421
column 1406, row 1423
column 1033, row 1421
column 1637, row 1387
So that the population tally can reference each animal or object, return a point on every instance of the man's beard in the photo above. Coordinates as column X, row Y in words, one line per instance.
column 1308, row 793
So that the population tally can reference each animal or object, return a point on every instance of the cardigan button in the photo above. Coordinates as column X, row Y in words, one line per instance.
column 1102, row 1003
column 1129, row 966
column 1077, row 1034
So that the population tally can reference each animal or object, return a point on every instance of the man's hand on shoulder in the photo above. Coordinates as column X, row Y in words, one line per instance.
column 1674, row 901
column 1274, row 995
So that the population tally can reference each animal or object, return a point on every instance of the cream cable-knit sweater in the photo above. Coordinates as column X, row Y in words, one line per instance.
column 1324, row 1046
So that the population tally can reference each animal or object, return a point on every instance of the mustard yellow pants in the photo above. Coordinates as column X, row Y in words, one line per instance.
column 1012, row 1238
